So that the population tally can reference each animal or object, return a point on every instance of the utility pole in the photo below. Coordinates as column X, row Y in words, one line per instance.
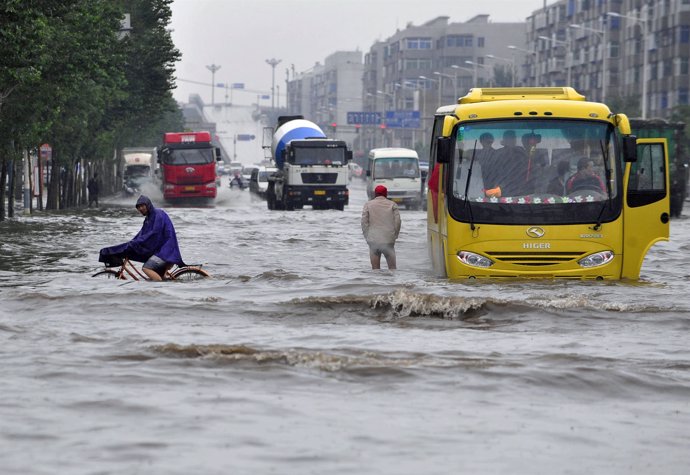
column 273, row 63
column 213, row 68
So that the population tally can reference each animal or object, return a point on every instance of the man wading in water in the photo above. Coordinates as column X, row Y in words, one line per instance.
column 381, row 227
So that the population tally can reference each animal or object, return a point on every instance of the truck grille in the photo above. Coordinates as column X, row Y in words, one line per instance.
column 319, row 178
column 535, row 258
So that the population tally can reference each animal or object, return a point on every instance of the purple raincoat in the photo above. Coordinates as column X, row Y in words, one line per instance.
column 156, row 237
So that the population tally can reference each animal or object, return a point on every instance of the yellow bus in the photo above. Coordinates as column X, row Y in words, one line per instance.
column 540, row 183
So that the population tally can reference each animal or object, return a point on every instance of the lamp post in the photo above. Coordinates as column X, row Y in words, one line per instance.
column 512, row 66
column 569, row 55
column 458, row 68
column 474, row 73
column 645, row 54
column 438, row 85
column 273, row 63
column 483, row 66
column 604, row 53
column 536, row 61
column 455, row 86
column 213, row 68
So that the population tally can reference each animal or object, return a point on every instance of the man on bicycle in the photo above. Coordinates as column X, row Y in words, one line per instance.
column 155, row 244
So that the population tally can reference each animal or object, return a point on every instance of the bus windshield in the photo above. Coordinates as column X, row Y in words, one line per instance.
column 188, row 156
column 396, row 167
column 535, row 171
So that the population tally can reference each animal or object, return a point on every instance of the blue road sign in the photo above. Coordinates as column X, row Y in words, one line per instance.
column 363, row 118
column 402, row 119
column 245, row 137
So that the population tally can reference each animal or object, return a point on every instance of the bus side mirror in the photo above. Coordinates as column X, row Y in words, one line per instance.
column 348, row 156
column 630, row 148
column 444, row 149
column 368, row 173
column 218, row 156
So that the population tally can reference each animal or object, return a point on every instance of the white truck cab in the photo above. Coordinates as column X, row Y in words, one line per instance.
column 398, row 170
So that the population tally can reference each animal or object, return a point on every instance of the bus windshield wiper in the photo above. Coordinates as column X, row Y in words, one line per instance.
column 607, row 173
column 467, row 186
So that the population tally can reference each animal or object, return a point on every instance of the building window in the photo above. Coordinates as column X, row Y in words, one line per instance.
column 684, row 64
column 418, row 63
column 418, row 43
column 684, row 34
column 460, row 40
column 668, row 68
column 664, row 100
column 480, row 41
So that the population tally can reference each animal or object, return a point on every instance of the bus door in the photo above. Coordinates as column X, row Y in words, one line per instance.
column 647, row 204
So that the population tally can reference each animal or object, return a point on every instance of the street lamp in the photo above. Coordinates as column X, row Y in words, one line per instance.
column 455, row 86
column 568, row 53
column 457, row 68
column 474, row 72
column 645, row 54
column 213, row 68
column 512, row 66
column 437, row 82
column 602, row 38
column 536, row 61
column 483, row 66
column 273, row 63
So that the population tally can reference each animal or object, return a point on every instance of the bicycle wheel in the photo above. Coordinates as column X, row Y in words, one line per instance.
column 189, row 273
column 108, row 274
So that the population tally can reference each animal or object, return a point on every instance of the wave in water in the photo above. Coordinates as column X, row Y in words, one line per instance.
column 404, row 303
column 360, row 362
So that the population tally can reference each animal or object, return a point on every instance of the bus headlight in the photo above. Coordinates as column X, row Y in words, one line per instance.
column 474, row 260
column 597, row 259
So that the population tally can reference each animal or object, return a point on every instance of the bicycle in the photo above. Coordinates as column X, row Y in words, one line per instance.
column 127, row 270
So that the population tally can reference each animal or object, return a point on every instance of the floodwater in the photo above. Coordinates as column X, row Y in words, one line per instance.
column 297, row 358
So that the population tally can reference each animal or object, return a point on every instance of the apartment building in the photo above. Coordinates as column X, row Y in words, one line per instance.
column 632, row 54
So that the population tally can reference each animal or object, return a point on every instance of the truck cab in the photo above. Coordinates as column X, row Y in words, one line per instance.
column 188, row 166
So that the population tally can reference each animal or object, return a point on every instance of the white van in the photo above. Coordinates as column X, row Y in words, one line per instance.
column 398, row 170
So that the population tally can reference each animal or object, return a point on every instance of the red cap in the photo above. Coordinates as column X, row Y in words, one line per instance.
column 381, row 190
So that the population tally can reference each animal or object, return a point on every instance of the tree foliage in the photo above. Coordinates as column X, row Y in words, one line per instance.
column 70, row 76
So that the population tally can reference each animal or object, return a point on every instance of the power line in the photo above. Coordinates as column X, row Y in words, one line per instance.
column 201, row 83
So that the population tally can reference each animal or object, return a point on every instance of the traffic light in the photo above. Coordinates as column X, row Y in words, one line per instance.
column 357, row 127
column 334, row 126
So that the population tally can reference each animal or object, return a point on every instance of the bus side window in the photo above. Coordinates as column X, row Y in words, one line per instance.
column 647, row 182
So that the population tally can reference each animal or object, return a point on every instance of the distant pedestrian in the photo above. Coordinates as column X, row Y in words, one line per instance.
column 381, row 227
column 92, row 186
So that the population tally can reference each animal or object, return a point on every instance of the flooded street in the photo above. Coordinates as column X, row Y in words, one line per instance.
column 297, row 358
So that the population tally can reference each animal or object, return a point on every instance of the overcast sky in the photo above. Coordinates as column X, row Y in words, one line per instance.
column 240, row 35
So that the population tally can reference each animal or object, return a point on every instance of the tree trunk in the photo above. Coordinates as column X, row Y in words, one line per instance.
column 54, row 185
column 3, row 180
column 11, row 189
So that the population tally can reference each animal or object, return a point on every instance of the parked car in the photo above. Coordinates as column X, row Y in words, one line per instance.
column 258, row 181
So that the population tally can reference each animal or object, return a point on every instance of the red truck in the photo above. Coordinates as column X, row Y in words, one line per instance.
column 188, row 166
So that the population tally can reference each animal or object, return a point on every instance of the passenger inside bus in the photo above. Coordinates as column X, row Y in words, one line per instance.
column 510, row 170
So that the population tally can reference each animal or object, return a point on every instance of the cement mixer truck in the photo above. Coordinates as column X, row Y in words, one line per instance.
column 311, row 169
